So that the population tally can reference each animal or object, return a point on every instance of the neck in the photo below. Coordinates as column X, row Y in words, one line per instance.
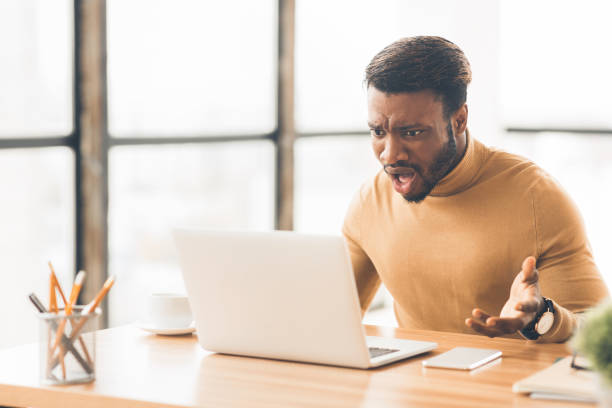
column 461, row 142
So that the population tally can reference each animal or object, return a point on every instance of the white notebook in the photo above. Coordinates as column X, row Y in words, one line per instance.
column 560, row 381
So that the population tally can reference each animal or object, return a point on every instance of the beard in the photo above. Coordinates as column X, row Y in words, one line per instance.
column 441, row 165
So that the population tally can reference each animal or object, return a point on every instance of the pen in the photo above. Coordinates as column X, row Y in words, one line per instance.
column 37, row 303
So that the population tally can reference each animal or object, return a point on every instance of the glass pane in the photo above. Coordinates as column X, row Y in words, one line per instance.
column 37, row 217
column 582, row 165
column 36, row 68
column 331, row 58
column 191, row 67
column 155, row 188
column 328, row 172
column 555, row 72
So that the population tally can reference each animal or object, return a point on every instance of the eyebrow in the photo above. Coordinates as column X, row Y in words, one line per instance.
column 412, row 126
column 403, row 127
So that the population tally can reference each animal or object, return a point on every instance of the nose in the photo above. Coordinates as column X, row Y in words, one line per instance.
column 393, row 151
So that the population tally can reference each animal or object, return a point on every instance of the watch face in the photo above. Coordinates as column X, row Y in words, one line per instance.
column 545, row 323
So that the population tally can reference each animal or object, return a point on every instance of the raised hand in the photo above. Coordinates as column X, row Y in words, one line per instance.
column 520, row 309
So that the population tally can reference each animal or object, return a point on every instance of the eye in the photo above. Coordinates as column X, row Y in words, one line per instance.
column 377, row 132
column 412, row 133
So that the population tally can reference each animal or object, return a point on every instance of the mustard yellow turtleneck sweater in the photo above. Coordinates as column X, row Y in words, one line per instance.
column 464, row 244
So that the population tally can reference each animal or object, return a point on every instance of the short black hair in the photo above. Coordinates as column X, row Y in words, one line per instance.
column 419, row 63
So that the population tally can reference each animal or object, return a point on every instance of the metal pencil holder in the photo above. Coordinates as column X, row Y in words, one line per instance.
column 68, row 346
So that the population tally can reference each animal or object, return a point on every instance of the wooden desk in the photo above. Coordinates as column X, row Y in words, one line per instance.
column 137, row 369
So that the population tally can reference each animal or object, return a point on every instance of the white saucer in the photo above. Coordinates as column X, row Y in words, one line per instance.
column 146, row 326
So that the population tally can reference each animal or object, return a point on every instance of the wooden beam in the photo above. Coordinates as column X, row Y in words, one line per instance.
column 92, row 152
column 285, row 115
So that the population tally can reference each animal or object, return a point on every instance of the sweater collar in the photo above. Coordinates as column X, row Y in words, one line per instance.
column 461, row 177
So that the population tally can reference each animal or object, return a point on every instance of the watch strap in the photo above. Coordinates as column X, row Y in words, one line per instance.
column 529, row 332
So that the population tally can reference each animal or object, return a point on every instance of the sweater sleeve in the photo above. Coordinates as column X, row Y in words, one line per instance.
column 567, row 272
column 366, row 277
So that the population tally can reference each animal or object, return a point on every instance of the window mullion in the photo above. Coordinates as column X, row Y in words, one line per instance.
column 92, row 150
column 285, row 115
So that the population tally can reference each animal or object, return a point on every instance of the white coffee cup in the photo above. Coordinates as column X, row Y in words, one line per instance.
column 169, row 311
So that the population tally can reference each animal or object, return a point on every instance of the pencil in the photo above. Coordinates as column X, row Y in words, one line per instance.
column 98, row 299
column 76, row 288
column 84, row 348
column 91, row 306
column 52, row 298
column 59, row 288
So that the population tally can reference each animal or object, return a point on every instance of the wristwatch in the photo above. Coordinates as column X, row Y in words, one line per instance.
column 541, row 324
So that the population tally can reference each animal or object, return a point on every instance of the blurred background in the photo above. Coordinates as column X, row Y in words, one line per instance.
column 200, row 124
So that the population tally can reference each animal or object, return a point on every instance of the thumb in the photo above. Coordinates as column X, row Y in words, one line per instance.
column 529, row 271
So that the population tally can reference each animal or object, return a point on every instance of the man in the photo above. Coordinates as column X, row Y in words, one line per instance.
column 453, row 228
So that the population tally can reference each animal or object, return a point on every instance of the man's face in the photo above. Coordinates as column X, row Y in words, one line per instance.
column 412, row 140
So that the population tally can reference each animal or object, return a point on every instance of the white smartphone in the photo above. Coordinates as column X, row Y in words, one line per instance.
column 463, row 358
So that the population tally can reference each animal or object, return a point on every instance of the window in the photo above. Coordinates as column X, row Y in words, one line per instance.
column 36, row 66
column 154, row 188
column 37, row 160
column 191, row 121
column 555, row 84
column 191, row 68
column 555, row 65
column 188, row 127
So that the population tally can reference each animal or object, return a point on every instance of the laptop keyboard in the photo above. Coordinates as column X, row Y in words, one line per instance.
column 377, row 351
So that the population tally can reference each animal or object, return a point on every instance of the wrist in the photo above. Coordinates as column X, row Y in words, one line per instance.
column 541, row 308
column 542, row 322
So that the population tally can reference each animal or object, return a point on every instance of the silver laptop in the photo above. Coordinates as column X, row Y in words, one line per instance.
column 281, row 295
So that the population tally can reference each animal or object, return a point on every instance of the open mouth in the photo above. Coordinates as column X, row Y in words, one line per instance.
column 403, row 180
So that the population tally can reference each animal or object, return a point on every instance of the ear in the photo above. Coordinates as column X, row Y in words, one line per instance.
column 459, row 119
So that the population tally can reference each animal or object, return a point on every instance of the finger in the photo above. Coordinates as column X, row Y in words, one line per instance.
column 530, row 273
column 480, row 315
column 506, row 325
column 481, row 328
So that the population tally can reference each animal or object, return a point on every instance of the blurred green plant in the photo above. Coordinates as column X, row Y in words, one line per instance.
column 594, row 340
